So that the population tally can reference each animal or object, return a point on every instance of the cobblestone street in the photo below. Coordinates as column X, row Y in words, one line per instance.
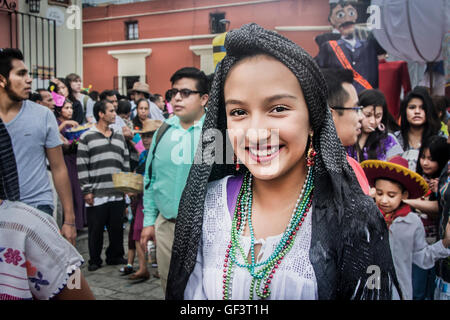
column 107, row 283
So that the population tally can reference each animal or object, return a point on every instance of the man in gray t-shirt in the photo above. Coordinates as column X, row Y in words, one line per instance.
column 35, row 137
column 33, row 130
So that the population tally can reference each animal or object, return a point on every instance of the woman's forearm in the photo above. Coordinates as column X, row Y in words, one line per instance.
column 426, row 206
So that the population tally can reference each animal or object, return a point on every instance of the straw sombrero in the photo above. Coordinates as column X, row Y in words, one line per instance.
column 396, row 169
column 140, row 87
column 149, row 125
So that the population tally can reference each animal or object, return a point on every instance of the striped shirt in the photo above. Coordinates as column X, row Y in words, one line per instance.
column 98, row 157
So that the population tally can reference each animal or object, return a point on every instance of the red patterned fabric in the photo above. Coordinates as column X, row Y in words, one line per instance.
column 403, row 211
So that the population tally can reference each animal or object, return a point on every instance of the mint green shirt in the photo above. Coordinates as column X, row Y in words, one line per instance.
column 173, row 159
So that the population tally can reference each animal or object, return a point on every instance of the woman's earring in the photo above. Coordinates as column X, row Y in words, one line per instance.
column 236, row 160
column 381, row 127
column 311, row 152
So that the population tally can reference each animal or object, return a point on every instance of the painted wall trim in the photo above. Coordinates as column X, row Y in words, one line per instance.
column 235, row 4
column 151, row 40
column 201, row 47
column 205, row 51
column 196, row 37
column 130, row 51
column 303, row 28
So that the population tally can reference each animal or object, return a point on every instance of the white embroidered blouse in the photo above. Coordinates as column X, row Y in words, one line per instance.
column 293, row 280
column 35, row 260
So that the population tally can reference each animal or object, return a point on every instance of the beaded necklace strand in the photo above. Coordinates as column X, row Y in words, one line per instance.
column 262, row 277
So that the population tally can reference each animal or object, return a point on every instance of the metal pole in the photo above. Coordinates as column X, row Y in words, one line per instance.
column 10, row 29
column 29, row 42
column 37, row 50
column 48, row 41
column 43, row 54
column 22, row 34
column 54, row 43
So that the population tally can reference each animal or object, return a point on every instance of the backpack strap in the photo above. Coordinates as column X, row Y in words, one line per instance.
column 85, row 100
column 158, row 137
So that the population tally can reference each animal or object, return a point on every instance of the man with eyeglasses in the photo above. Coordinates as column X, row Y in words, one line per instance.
column 347, row 114
column 173, row 157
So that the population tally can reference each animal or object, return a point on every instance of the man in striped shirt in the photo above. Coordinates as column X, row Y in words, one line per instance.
column 102, row 151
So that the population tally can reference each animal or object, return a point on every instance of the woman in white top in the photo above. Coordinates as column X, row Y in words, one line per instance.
column 291, row 222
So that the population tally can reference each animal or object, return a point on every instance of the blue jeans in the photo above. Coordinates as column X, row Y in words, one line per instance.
column 45, row 208
column 423, row 282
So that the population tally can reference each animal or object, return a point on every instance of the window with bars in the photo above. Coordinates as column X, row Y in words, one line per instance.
column 60, row 2
column 215, row 26
column 131, row 30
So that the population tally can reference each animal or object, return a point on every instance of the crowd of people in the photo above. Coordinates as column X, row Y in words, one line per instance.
column 323, row 183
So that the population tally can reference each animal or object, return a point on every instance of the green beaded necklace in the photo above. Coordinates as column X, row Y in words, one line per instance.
column 262, row 273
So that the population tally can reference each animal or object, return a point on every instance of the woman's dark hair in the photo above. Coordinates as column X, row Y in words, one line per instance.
column 168, row 97
column 439, row 152
column 431, row 125
column 94, row 95
column 72, row 77
column 136, row 121
column 52, row 84
column 375, row 141
column 124, row 107
column 67, row 82
column 56, row 85
column 78, row 113
column 441, row 103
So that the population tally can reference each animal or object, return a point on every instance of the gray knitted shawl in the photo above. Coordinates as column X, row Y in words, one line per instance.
column 348, row 231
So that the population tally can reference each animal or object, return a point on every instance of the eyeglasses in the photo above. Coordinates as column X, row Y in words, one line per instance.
column 358, row 109
column 183, row 92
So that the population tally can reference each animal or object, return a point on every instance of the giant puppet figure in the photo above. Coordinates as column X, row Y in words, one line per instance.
column 345, row 49
column 219, row 44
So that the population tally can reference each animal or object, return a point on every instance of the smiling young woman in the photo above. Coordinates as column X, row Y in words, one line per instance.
column 292, row 222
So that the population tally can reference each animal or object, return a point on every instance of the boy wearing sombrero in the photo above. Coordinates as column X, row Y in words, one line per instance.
column 394, row 182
